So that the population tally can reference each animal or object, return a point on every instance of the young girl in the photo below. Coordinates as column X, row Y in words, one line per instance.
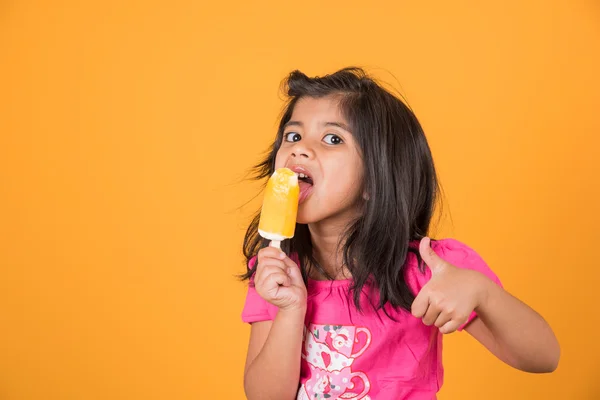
column 358, row 309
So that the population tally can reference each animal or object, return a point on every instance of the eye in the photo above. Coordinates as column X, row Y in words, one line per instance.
column 292, row 137
column 332, row 139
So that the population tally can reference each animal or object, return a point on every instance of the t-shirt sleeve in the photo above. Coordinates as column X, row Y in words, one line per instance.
column 457, row 254
column 256, row 309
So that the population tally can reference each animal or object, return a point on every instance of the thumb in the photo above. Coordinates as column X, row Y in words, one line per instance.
column 433, row 261
column 293, row 272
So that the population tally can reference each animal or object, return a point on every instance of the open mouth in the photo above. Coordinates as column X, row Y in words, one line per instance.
column 306, row 185
column 305, row 178
column 305, row 181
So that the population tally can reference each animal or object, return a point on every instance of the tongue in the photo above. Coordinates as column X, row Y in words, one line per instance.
column 305, row 189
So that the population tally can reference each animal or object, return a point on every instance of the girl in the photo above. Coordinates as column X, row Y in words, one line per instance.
column 358, row 309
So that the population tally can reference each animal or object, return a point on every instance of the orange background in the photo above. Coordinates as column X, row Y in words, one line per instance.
column 126, row 127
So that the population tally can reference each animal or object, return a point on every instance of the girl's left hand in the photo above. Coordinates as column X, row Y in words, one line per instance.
column 451, row 295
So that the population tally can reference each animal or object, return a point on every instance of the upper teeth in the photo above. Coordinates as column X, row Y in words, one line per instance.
column 301, row 175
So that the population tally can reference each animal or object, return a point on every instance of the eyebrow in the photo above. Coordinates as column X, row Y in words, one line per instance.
column 336, row 124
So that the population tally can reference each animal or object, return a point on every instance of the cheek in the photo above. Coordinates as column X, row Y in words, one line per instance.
column 280, row 158
column 345, row 182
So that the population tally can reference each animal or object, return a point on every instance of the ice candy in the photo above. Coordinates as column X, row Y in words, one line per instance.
column 280, row 207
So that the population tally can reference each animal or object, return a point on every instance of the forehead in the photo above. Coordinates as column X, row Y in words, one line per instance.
column 326, row 108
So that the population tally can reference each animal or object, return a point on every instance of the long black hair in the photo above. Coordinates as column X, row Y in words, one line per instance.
column 399, row 180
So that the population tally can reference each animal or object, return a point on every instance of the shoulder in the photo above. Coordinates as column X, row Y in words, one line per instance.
column 448, row 248
column 455, row 251
column 462, row 255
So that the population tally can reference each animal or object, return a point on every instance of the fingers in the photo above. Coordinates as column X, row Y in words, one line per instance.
column 431, row 315
column 269, row 267
column 294, row 272
column 275, row 268
column 275, row 257
column 270, row 252
column 269, row 257
column 432, row 312
column 433, row 261
column 420, row 305
column 278, row 280
column 451, row 326
column 276, row 277
column 442, row 318
column 270, row 279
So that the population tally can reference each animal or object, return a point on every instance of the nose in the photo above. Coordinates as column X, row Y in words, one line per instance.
column 302, row 150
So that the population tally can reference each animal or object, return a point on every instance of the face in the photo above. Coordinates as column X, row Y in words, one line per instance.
column 318, row 145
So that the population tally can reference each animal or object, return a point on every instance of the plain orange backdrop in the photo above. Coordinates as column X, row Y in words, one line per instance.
column 126, row 129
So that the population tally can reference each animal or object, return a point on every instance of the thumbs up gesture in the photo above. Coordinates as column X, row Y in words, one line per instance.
column 448, row 299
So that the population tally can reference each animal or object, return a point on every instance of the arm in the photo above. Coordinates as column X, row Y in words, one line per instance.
column 514, row 332
column 273, row 363
column 272, row 369
column 510, row 329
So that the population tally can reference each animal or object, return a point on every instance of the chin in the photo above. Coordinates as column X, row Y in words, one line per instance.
column 300, row 219
column 305, row 217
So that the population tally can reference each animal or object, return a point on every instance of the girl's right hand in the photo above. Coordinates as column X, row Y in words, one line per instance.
column 278, row 280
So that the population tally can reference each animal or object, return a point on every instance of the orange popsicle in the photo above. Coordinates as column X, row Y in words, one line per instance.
column 280, row 207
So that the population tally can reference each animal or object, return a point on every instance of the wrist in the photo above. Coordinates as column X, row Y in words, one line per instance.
column 293, row 311
column 486, row 287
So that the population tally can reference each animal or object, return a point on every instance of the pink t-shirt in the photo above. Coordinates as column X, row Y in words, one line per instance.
column 352, row 355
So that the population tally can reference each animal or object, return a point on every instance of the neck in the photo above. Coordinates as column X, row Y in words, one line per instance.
column 327, row 248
